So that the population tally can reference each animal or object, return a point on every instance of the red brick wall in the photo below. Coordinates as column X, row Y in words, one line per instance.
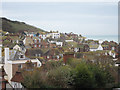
column 66, row 56
column 15, row 67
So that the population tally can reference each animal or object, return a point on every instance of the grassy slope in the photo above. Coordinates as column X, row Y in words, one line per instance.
column 16, row 26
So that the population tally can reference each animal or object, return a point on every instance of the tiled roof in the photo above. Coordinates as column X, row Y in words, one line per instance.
column 17, row 77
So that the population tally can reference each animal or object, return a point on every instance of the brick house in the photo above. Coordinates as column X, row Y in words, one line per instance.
column 34, row 52
column 53, row 54
column 68, row 55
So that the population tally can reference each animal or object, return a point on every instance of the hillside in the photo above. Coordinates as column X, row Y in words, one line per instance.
column 16, row 26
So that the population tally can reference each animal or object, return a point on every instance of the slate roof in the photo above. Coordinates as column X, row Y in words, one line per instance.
column 52, row 52
column 32, row 52
column 15, row 55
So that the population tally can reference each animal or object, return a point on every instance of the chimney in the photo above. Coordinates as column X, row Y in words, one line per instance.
column 0, row 55
column 6, row 55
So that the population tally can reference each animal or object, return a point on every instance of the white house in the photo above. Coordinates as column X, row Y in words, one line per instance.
column 20, row 48
column 15, row 61
column 55, row 35
column 59, row 44
column 113, row 54
column 68, row 40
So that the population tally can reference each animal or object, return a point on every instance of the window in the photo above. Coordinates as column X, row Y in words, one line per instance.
column 21, row 56
column 36, row 55
column 35, row 41
column 39, row 40
column 48, row 57
column 20, row 66
column 35, row 45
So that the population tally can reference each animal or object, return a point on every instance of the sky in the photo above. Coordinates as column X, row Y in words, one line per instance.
column 86, row 18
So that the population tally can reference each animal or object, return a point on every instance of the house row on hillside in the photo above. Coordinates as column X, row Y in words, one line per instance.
column 70, row 41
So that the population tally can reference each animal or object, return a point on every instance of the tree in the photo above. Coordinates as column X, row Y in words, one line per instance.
column 76, row 73
column 90, row 76
column 33, row 79
column 83, row 78
column 60, row 77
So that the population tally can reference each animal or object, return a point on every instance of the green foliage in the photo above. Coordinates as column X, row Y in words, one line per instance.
column 83, row 77
column 53, row 65
column 76, row 73
column 33, row 79
column 60, row 77
column 91, row 76
column 15, row 26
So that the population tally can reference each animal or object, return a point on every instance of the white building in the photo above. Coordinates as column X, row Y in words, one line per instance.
column 96, row 48
column 14, row 59
column 55, row 35
column 68, row 40
column 43, row 36
column 59, row 44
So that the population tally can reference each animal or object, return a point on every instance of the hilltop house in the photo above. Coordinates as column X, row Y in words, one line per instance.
column 55, row 35
column 55, row 43
column 69, row 40
column 42, row 36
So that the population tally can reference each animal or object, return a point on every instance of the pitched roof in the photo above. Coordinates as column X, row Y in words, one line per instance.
column 17, row 77
column 14, row 55
column 52, row 52
column 93, row 46
column 32, row 52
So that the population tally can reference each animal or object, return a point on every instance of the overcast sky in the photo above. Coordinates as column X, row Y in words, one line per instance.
column 86, row 18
